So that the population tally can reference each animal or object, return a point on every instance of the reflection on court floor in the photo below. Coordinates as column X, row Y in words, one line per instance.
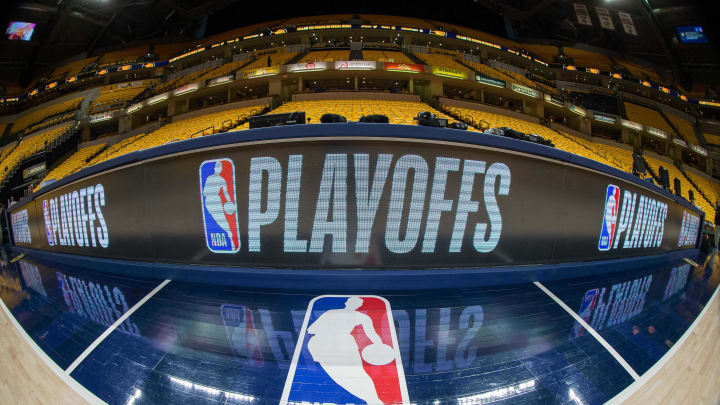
column 193, row 343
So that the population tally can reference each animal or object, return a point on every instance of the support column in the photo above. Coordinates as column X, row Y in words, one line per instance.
column 585, row 126
column 300, row 84
column 708, row 166
column 625, row 136
column 436, row 88
column 411, row 86
column 356, row 82
column 275, row 87
column 530, row 107
column 85, row 133
column 124, row 124
column 539, row 108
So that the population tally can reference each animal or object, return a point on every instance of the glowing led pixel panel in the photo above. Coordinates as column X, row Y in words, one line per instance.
column 18, row 30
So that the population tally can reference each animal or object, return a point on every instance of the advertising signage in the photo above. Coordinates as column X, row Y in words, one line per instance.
column 262, row 72
column 353, row 202
column 554, row 100
column 103, row 116
column 577, row 110
column 525, row 91
column 307, row 67
column 220, row 80
column 608, row 119
column 404, row 67
column 188, row 88
column 698, row 149
column 490, row 81
column 631, row 124
column 680, row 142
column 355, row 65
column 656, row 132
column 449, row 72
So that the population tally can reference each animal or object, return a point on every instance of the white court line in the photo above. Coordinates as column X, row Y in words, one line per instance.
column 632, row 388
column 112, row 327
column 77, row 387
column 592, row 331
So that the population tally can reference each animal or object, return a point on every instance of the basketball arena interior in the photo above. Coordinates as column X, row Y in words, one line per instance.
column 471, row 202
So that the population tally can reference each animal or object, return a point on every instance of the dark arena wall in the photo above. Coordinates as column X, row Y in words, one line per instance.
column 356, row 196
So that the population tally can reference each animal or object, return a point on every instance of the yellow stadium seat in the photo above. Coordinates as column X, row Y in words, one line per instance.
column 712, row 139
column 685, row 185
column 326, row 56
column 29, row 145
column 609, row 155
column 207, row 124
column 398, row 112
column 110, row 95
column 684, row 127
column 647, row 116
column 72, row 164
column 386, row 56
column 440, row 59
column 39, row 115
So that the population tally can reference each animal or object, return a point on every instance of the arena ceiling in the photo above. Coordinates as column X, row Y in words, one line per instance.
column 66, row 28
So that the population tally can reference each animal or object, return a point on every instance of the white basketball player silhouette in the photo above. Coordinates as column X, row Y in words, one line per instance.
column 333, row 346
column 214, row 185
column 610, row 218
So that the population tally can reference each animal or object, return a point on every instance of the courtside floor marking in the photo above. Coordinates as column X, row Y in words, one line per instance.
column 632, row 388
column 76, row 386
column 592, row 331
column 112, row 327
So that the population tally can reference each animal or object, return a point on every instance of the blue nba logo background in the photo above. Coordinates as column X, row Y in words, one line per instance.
column 219, row 207
column 48, row 223
column 610, row 214
column 347, row 353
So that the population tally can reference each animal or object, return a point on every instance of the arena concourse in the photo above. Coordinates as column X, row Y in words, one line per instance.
column 360, row 208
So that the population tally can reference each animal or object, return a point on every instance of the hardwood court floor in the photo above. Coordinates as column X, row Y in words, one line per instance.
column 691, row 376
column 25, row 378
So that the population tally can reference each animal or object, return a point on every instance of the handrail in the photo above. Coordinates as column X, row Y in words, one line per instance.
column 202, row 132
column 224, row 127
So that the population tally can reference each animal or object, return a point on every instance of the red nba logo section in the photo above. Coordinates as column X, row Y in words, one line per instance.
column 385, row 376
column 228, row 175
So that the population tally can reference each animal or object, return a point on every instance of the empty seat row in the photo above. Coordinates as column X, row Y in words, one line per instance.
column 74, row 163
column 647, row 116
column 398, row 112
column 326, row 56
column 685, row 185
column 29, row 145
column 386, row 56
column 206, row 124
column 38, row 115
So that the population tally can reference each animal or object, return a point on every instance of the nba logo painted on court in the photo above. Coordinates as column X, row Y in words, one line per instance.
column 217, row 192
column 347, row 353
column 612, row 203
column 48, row 224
